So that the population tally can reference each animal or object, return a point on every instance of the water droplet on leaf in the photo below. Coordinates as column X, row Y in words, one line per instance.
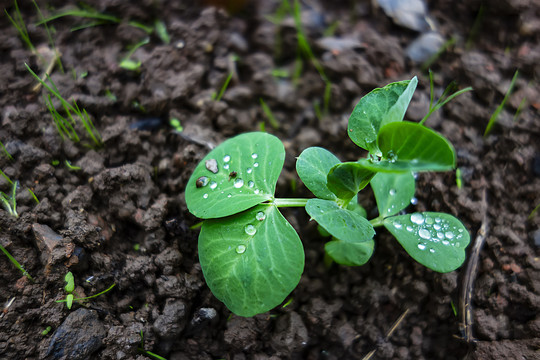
column 251, row 184
column 260, row 216
column 449, row 235
column 240, row 249
column 424, row 234
column 202, row 181
column 249, row 170
column 213, row 185
column 392, row 192
column 397, row 225
column 250, row 229
column 254, row 155
column 238, row 183
column 422, row 246
column 256, row 164
column 226, row 166
column 417, row 218
column 414, row 201
column 205, row 196
column 226, row 158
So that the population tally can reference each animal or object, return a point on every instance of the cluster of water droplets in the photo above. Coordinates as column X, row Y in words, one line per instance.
column 251, row 230
column 431, row 231
column 238, row 182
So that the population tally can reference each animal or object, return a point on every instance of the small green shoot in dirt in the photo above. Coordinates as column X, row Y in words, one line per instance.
column 4, row 175
column 219, row 95
column 444, row 99
column 251, row 256
column 33, row 195
column 127, row 62
column 459, row 178
column 72, row 167
column 535, row 210
column 46, row 331
column 9, row 200
column 18, row 22
column 269, row 115
column 146, row 352
column 70, row 290
column 161, row 31
column 175, row 124
column 74, row 116
column 4, row 150
column 497, row 112
column 16, row 263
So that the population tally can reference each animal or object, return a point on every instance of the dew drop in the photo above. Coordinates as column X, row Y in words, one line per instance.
column 409, row 228
column 226, row 158
column 422, row 246
column 250, row 229
column 440, row 235
column 238, row 183
column 254, row 156
column 226, row 166
column 202, row 181
column 449, row 235
column 392, row 192
column 424, row 234
column 213, row 185
column 251, row 183
column 437, row 227
column 396, row 224
column 256, row 164
column 260, row 216
column 437, row 220
column 417, row 218
column 205, row 196
column 445, row 242
column 240, row 249
column 229, row 195
column 414, row 201
column 249, row 170
column 256, row 191
column 431, row 250
column 429, row 220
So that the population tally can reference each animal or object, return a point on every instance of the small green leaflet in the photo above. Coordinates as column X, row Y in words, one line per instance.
column 393, row 192
column 347, row 179
column 350, row 253
column 435, row 240
column 251, row 261
column 408, row 146
column 378, row 108
column 312, row 167
column 237, row 175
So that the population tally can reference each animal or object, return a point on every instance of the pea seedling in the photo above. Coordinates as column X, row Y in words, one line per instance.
column 251, row 256
column 70, row 289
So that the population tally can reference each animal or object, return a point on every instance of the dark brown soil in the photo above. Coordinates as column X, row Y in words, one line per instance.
column 122, row 217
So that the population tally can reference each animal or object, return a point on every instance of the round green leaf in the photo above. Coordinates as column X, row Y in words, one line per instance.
column 378, row 108
column 393, row 191
column 252, row 260
column 238, row 174
column 435, row 240
column 408, row 146
column 345, row 225
column 350, row 254
column 312, row 167
column 347, row 179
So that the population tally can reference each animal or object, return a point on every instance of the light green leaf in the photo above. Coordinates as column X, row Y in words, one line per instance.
column 238, row 174
column 347, row 179
column 251, row 261
column 393, row 192
column 312, row 167
column 408, row 146
column 70, row 282
column 350, row 254
column 346, row 225
column 69, row 301
column 435, row 240
column 378, row 108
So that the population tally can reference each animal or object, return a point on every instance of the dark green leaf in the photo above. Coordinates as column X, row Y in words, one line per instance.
column 347, row 179
column 393, row 192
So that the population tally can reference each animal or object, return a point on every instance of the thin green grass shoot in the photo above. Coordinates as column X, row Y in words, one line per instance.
column 9, row 200
column 223, row 87
column 269, row 115
column 444, row 99
column 16, row 263
column 3, row 174
column 33, row 195
column 89, row 297
column 52, row 45
column 146, row 352
column 497, row 112
column 82, row 116
column 535, row 210
column 130, row 64
column 71, row 166
column 19, row 24
column 4, row 150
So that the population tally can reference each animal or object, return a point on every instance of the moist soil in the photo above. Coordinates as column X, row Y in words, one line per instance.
column 120, row 216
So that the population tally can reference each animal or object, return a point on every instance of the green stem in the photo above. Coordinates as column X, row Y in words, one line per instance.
column 377, row 222
column 290, row 202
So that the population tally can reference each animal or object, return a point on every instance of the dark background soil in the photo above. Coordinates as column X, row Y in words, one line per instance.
column 122, row 218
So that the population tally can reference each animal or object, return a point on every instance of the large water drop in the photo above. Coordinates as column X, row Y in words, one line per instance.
column 238, row 183
column 250, row 230
column 240, row 249
column 424, row 234
column 213, row 185
column 260, row 216
column 417, row 218
column 254, row 155
column 226, row 158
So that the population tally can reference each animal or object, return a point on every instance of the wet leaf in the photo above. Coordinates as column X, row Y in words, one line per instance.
column 350, row 253
column 378, row 108
column 251, row 261
column 435, row 240
column 408, row 146
column 248, row 167
column 393, row 192
column 312, row 167
column 347, row 179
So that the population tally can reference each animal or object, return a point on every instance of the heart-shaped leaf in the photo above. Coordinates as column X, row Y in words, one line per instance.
column 346, row 225
column 350, row 253
column 378, row 108
column 238, row 174
column 347, row 179
column 408, row 146
column 312, row 167
column 435, row 240
column 252, row 260
column 393, row 192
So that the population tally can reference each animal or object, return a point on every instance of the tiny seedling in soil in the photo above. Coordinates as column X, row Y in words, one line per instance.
column 252, row 258
column 9, row 200
column 70, row 289
column 16, row 263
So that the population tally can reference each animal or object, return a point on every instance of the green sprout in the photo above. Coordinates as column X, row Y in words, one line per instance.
column 146, row 352
column 70, row 290
column 127, row 62
column 46, row 331
column 218, row 96
column 4, row 150
column 9, row 200
column 251, row 256
column 74, row 115
column 16, row 263
column 175, row 123
column 495, row 115
column 269, row 115
column 18, row 22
